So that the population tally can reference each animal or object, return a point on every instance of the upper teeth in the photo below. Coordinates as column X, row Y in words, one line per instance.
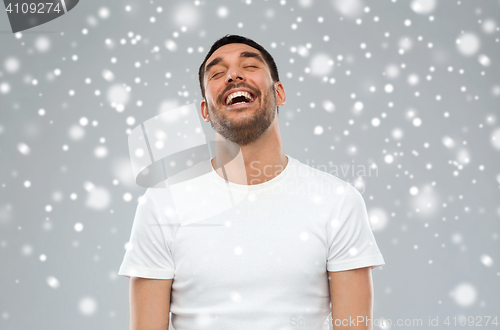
column 231, row 96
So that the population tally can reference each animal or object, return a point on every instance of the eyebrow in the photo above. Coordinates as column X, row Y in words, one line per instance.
column 217, row 60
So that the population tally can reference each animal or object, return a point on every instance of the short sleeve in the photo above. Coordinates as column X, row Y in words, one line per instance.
column 351, row 242
column 147, row 252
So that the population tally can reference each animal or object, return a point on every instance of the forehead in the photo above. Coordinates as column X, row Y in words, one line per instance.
column 231, row 50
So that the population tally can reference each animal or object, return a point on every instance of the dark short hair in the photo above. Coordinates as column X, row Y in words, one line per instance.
column 235, row 39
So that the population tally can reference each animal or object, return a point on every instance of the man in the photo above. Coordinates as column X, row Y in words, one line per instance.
column 294, row 246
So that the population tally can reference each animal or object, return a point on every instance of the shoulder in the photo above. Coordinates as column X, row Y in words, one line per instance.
column 159, row 201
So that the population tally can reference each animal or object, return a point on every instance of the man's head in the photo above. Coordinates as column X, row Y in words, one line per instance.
column 240, row 88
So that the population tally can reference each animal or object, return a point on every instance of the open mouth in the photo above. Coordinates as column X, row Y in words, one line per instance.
column 239, row 99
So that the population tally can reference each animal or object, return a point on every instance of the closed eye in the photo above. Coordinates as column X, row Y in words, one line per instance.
column 218, row 73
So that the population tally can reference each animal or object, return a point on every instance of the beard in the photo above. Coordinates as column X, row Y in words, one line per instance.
column 244, row 131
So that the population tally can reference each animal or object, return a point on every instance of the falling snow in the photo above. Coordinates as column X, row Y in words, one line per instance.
column 406, row 93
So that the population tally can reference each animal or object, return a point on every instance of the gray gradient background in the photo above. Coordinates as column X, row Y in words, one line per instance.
column 443, row 238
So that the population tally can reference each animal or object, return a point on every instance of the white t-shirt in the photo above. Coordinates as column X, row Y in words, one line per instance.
column 250, row 257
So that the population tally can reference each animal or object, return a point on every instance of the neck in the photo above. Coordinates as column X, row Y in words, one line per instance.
column 251, row 164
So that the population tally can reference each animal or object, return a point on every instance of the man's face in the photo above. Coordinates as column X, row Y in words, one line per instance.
column 240, row 96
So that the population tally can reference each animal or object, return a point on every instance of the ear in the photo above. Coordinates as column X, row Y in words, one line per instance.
column 280, row 93
column 204, row 110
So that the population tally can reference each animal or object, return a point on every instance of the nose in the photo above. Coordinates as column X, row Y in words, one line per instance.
column 234, row 74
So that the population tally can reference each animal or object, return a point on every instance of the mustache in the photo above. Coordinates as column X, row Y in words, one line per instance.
column 254, row 91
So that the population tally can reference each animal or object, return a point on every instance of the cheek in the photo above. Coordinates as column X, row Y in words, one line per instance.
column 210, row 97
column 213, row 94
